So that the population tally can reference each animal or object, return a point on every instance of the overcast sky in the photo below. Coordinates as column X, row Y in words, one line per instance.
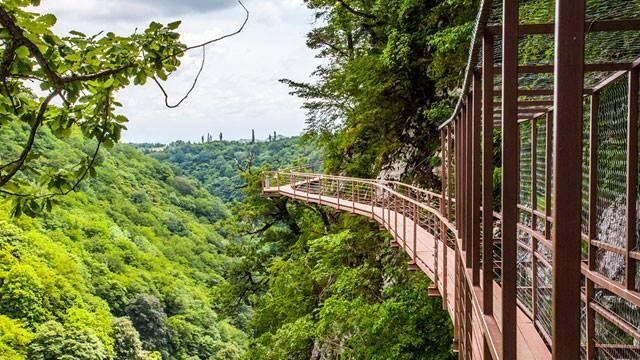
column 238, row 90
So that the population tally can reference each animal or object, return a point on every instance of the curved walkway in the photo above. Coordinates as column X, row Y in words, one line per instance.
column 417, row 220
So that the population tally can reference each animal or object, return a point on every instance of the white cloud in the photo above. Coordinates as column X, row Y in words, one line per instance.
column 238, row 90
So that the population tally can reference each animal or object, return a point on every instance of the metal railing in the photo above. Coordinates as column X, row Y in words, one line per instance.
column 550, row 98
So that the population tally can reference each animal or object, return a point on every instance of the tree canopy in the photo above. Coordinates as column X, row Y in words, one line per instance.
column 70, row 82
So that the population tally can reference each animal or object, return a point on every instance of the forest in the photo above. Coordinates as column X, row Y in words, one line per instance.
column 114, row 251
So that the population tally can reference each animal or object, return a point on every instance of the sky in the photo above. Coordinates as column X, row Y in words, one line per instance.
column 238, row 89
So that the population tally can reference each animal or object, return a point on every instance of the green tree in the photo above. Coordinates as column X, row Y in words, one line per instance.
column 53, row 342
column 147, row 315
column 81, row 72
column 14, row 339
column 385, row 87
column 22, row 294
column 127, row 341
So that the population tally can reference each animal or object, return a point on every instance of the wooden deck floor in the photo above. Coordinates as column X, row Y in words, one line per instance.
column 530, row 343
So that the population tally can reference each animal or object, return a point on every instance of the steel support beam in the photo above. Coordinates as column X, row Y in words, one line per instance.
column 487, row 175
column 510, row 135
column 632, row 179
column 567, row 153
column 476, row 175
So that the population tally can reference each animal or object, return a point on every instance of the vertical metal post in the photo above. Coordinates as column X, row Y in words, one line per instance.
column 548, row 172
column 632, row 179
column 468, row 175
column 353, row 196
column 450, row 179
column 487, row 176
column 395, row 211
column 461, row 179
column 510, row 135
column 566, row 232
column 468, row 180
column 415, row 235
column 458, row 200
column 534, row 206
column 443, row 214
column 404, row 225
column 593, row 227
column 373, row 201
column 476, row 192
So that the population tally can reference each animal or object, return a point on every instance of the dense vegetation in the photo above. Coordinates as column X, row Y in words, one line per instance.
column 125, row 267
column 218, row 164
column 141, row 259
column 390, row 70
column 309, row 283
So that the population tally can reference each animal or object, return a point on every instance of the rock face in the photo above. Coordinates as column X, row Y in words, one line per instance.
column 611, row 230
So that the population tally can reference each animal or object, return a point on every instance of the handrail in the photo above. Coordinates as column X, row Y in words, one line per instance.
column 381, row 194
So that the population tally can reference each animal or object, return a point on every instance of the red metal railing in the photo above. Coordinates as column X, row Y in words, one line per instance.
column 550, row 99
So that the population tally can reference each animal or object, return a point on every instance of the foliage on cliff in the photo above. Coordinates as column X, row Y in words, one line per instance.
column 123, row 269
column 391, row 69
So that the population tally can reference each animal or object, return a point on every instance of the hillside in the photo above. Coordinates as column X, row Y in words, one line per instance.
column 218, row 164
column 135, row 253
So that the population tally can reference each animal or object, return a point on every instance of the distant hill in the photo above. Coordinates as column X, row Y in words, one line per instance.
column 218, row 164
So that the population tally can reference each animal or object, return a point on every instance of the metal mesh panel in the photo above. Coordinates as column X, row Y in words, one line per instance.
column 541, row 164
column 536, row 49
column 611, row 167
column 525, row 164
column 497, row 252
column 619, row 307
column 543, row 299
column 583, row 330
column 524, row 274
column 536, row 11
column 613, row 343
column 584, row 212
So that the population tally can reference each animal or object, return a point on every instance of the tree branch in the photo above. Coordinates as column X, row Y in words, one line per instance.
column 209, row 42
column 262, row 229
column 8, row 57
column 203, row 46
column 15, row 32
column 356, row 12
column 193, row 85
column 19, row 163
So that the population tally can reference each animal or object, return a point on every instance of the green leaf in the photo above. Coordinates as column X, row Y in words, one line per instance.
column 48, row 19
column 174, row 25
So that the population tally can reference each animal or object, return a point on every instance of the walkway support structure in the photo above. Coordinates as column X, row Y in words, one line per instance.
column 532, row 237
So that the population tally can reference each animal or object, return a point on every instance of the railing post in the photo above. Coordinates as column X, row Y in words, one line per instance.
column 592, row 233
column 395, row 210
column 510, row 132
column 548, row 172
column 476, row 191
column 404, row 225
column 338, row 192
column 353, row 197
column 321, row 188
column 566, row 231
column 415, row 233
column 487, row 176
column 468, row 180
column 373, row 201
column 632, row 179
column 534, row 206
